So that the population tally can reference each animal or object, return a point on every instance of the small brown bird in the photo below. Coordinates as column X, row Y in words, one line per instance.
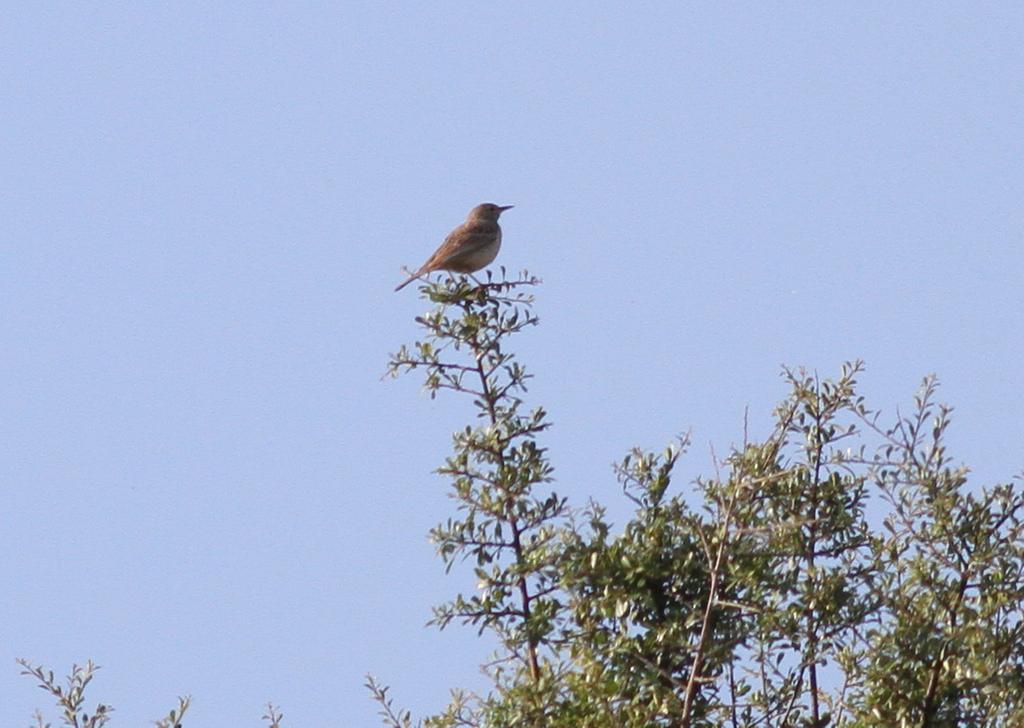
column 471, row 246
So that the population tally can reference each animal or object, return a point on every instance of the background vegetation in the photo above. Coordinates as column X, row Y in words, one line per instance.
column 839, row 570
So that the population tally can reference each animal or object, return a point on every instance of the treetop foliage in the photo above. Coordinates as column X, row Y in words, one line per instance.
column 836, row 572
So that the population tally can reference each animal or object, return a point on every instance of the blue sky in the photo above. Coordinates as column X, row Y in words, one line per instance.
column 208, row 488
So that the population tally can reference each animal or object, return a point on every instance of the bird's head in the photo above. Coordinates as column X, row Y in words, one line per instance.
column 488, row 211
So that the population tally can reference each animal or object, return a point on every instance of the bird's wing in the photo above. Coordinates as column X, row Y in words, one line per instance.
column 466, row 239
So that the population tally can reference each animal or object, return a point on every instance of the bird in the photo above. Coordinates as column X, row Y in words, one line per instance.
column 471, row 246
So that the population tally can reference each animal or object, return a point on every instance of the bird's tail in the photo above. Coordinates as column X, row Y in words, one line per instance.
column 408, row 280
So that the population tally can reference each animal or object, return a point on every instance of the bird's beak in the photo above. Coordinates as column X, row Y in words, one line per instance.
column 506, row 207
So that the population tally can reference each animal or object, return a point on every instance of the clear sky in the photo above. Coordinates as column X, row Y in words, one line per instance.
column 205, row 206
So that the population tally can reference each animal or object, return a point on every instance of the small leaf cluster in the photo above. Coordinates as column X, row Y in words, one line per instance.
column 71, row 696
column 70, row 699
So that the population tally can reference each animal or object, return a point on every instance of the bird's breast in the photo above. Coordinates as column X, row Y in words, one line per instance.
column 473, row 260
